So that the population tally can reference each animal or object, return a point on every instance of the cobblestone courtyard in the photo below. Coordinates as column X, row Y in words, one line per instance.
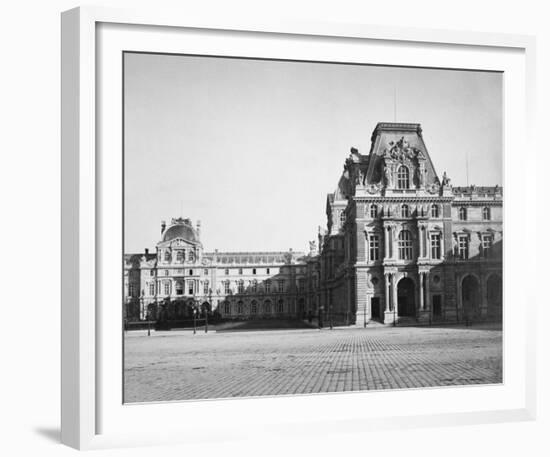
column 182, row 366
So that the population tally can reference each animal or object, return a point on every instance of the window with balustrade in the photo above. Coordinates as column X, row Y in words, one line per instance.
column 374, row 247
column 486, row 243
column 435, row 245
column 463, row 247
column 405, row 245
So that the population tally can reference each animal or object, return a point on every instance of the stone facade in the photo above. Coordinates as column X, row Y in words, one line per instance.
column 402, row 245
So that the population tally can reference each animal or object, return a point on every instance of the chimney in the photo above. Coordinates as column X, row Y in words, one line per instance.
column 162, row 227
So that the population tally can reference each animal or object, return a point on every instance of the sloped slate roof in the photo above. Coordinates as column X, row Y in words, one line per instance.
column 180, row 231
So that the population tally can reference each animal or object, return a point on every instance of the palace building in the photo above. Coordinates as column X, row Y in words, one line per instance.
column 402, row 245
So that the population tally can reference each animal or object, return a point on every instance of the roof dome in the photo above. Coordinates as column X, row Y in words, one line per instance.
column 181, row 228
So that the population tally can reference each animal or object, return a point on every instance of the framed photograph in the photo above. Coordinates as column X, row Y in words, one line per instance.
column 298, row 226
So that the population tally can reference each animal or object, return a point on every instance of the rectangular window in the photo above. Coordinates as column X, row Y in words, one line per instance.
column 463, row 247
column 268, row 286
column 435, row 243
column 486, row 243
column 132, row 290
column 206, row 287
column 206, row 272
column 254, row 286
column 281, row 285
column 226, row 287
column 152, row 288
column 152, row 272
column 267, row 270
column 191, row 287
column 227, row 308
column 166, row 288
column 240, row 271
column 227, row 271
column 240, row 287
column 374, row 247
column 253, row 271
column 301, row 284
column 190, row 272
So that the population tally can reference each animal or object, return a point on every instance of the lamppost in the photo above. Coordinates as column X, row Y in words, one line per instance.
column 194, row 319
column 330, row 313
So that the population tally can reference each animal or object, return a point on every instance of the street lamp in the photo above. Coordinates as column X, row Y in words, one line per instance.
column 194, row 319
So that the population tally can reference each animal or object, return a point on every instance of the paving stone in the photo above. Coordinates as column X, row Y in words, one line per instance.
column 172, row 366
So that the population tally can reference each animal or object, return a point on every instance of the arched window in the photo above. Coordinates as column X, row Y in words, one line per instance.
column 191, row 256
column 435, row 210
column 179, row 256
column 404, row 210
column 239, row 307
column 404, row 245
column 403, row 177
column 463, row 214
column 166, row 256
column 253, row 307
column 486, row 214
column 267, row 307
column 373, row 211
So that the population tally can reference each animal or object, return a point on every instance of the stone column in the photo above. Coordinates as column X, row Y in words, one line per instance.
column 388, row 292
column 421, row 290
column 388, row 312
column 420, row 242
column 395, row 304
column 386, row 242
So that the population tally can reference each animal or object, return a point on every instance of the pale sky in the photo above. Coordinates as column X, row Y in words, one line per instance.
column 251, row 147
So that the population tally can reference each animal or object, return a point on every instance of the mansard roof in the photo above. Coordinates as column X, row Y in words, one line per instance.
column 262, row 257
column 392, row 139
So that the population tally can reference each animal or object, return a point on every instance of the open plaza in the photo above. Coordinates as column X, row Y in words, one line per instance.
column 180, row 365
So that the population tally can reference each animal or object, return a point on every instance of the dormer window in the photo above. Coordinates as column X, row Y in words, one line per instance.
column 404, row 210
column 167, row 256
column 463, row 214
column 191, row 256
column 486, row 214
column 403, row 177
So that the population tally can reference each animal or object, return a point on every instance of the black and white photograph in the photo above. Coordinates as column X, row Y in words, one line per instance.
column 301, row 227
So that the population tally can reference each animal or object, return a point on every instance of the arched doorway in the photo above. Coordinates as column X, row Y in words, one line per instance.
column 406, row 303
column 494, row 296
column 471, row 296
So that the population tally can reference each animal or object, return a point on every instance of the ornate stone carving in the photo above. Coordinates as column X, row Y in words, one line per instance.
column 402, row 150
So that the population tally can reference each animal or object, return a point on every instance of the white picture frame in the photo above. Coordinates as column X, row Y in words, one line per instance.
column 93, row 415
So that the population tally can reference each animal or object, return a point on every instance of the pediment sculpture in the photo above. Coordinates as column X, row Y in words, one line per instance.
column 402, row 150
